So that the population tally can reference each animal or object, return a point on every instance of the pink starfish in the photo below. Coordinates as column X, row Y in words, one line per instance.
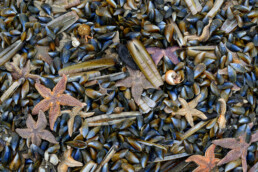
column 158, row 53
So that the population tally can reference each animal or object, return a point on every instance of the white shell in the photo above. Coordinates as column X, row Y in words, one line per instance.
column 75, row 41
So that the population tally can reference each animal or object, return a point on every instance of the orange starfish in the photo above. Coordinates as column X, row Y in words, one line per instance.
column 206, row 163
column 53, row 99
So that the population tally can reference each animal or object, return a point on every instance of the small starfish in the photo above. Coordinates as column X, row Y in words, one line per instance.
column 20, row 72
column 42, row 53
column 73, row 113
column 158, row 53
column 68, row 161
column 206, row 163
column 238, row 148
column 36, row 130
column 53, row 99
column 104, row 89
column 137, row 81
column 188, row 110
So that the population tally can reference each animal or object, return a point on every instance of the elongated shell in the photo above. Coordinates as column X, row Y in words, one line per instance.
column 88, row 65
column 145, row 62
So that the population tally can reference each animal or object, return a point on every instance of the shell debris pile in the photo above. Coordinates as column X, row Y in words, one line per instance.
column 128, row 85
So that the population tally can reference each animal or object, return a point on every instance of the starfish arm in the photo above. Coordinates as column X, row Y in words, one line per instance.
column 60, row 86
column 198, row 159
column 152, row 50
column 42, row 121
column 181, row 112
column 244, row 163
column 146, row 84
column 26, row 69
column 30, row 123
column 127, row 82
column 189, row 119
column 75, row 111
column 231, row 156
column 67, row 100
column 53, row 114
column 210, row 152
column 72, row 163
column 62, row 167
column 42, row 105
column 198, row 113
column 70, row 125
column 201, row 169
column 32, row 76
column 36, row 140
column 43, row 91
column 172, row 49
column 195, row 101
column 137, row 92
column 230, row 143
column 15, row 68
column 170, row 53
column 47, row 135
column 157, row 56
column 254, row 137
column 183, row 102
column 24, row 133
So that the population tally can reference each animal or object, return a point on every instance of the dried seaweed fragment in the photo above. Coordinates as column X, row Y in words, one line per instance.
column 36, row 130
column 158, row 53
column 53, row 99
column 137, row 82
column 188, row 110
column 206, row 163
column 238, row 147
column 203, row 37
